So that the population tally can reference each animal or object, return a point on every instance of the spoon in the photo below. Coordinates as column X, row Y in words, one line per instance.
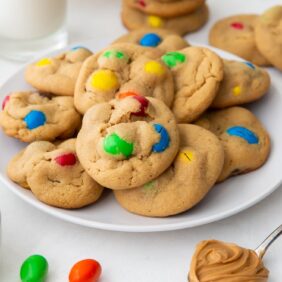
column 263, row 247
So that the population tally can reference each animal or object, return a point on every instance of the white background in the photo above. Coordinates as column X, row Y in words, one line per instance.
column 157, row 257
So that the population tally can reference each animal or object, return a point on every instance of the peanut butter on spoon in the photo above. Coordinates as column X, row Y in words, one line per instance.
column 216, row 261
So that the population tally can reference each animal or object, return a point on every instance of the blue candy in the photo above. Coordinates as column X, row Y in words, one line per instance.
column 244, row 133
column 35, row 119
column 77, row 47
column 150, row 40
column 250, row 65
column 164, row 140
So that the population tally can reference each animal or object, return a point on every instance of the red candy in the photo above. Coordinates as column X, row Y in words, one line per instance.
column 6, row 100
column 144, row 103
column 142, row 3
column 237, row 25
column 66, row 160
column 87, row 270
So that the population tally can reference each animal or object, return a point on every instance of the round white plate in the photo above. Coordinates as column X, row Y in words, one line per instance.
column 226, row 199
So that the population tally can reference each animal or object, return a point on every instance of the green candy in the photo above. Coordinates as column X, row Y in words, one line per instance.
column 34, row 269
column 172, row 59
column 114, row 54
column 149, row 186
column 115, row 145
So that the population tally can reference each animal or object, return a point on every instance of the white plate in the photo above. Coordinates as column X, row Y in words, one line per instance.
column 226, row 199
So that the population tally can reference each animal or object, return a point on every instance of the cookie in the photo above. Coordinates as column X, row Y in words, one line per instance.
column 134, row 19
column 128, row 141
column 30, row 116
column 54, row 175
column 57, row 75
column 236, row 35
column 243, row 83
column 165, row 9
column 186, row 182
column 225, row 262
column 197, row 73
column 268, row 35
column 123, row 67
column 155, row 38
column 246, row 142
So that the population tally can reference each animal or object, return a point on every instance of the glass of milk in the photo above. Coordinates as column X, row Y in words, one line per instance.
column 28, row 27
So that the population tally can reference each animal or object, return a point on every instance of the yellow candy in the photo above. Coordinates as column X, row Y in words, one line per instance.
column 104, row 80
column 154, row 21
column 154, row 68
column 236, row 91
column 185, row 156
column 44, row 62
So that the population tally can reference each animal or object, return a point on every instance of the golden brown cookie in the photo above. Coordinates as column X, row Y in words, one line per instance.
column 163, row 39
column 166, row 9
column 268, row 35
column 57, row 75
column 29, row 116
column 54, row 175
column 243, row 83
column 119, row 68
column 186, row 182
column 134, row 19
column 197, row 73
column 236, row 35
column 246, row 142
column 128, row 141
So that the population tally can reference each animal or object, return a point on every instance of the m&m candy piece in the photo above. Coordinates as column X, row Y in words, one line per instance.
column 250, row 65
column 66, row 160
column 142, row 3
column 43, row 62
column 115, row 145
column 155, row 68
column 237, row 25
column 5, row 101
column 242, row 132
column 77, row 48
column 236, row 91
column 154, row 21
column 114, row 54
column 144, row 103
column 185, row 156
column 104, row 80
column 150, row 40
column 123, row 95
column 34, row 119
column 34, row 269
column 87, row 270
column 164, row 139
column 172, row 59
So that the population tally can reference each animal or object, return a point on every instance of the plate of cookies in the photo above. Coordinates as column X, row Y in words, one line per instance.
column 146, row 134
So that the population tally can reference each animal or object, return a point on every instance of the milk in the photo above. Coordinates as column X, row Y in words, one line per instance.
column 31, row 19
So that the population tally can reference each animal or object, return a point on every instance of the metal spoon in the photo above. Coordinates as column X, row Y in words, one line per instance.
column 262, row 248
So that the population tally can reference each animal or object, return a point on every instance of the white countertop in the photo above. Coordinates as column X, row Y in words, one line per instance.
column 125, row 257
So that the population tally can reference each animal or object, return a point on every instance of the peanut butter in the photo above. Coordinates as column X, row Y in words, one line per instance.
column 216, row 261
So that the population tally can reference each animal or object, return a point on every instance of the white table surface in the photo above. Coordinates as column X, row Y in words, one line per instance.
column 156, row 257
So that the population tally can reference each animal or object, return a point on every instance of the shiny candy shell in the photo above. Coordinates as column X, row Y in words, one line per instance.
column 87, row 270
column 66, row 159
column 244, row 133
column 34, row 269
column 163, row 144
column 150, row 40
column 34, row 119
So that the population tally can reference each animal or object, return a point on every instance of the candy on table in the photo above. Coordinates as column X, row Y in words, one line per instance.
column 34, row 269
column 87, row 270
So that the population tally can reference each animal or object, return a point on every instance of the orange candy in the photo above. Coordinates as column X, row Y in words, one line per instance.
column 87, row 270
column 123, row 95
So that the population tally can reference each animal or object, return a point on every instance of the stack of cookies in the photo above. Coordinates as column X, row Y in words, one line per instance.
column 135, row 119
column 181, row 16
column 256, row 38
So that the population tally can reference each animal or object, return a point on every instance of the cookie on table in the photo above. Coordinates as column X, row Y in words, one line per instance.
column 134, row 19
column 57, row 75
column 55, row 175
column 197, row 74
column 246, row 142
column 123, row 67
column 243, row 83
column 163, row 39
column 268, row 35
column 236, row 35
column 166, row 9
column 128, row 141
column 186, row 182
column 29, row 116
